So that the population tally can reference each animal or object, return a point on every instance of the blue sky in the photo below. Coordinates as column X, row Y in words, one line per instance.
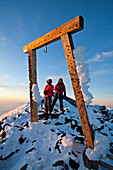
column 22, row 21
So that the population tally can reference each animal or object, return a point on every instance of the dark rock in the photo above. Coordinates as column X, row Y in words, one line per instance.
column 56, row 110
column 71, row 101
column 81, row 139
column 1, row 123
column 6, row 125
column 73, row 164
column 55, row 116
column 67, row 120
column 39, row 159
column 94, row 111
column 105, row 134
column 102, row 107
column 4, row 118
column 52, row 130
column 0, row 128
column 99, row 129
column 27, row 111
column 33, row 141
column 5, row 158
column 49, row 149
column 58, row 123
column 21, row 128
column 21, row 139
column 24, row 167
column 89, row 163
column 111, row 144
column 105, row 112
column 30, row 150
column 2, row 147
column 19, row 115
column 3, row 134
column 61, row 163
column 63, row 134
column 73, row 126
column 57, row 145
column 74, row 154
column 111, row 150
column 79, row 129
column 111, row 121
column 102, row 121
column 110, row 129
column 17, row 150
column 2, row 141
column 27, row 124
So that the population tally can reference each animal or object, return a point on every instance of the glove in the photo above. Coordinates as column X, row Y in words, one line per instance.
column 64, row 95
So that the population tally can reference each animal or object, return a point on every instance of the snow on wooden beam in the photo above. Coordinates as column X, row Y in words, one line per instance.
column 72, row 26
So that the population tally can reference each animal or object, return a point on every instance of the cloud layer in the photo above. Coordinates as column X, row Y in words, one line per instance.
column 100, row 57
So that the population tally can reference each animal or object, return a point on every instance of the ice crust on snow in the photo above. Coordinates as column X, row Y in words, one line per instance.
column 36, row 94
column 93, row 117
column 83, row 73
column 101, row 145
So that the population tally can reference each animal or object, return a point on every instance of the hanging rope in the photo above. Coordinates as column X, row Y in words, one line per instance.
column 45, row 51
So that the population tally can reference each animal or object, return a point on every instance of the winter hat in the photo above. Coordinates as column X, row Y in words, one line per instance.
column 49, row 81
column 60, row 79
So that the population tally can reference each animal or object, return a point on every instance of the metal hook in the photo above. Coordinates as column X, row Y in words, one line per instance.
column 45, row 51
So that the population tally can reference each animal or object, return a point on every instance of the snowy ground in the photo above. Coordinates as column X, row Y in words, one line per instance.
column 56, row 143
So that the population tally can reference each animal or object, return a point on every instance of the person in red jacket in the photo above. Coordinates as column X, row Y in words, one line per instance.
column 48, row 90
column 59, row 89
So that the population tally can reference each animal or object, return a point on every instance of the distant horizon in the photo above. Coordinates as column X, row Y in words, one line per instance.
column 9, row 105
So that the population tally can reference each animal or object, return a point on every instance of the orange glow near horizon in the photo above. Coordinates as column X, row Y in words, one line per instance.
column 14, row 99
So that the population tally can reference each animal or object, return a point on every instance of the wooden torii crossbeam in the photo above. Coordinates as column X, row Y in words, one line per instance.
column 62, row 32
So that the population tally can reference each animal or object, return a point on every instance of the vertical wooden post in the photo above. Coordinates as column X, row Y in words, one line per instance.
column 32, row 80
column 68, row 47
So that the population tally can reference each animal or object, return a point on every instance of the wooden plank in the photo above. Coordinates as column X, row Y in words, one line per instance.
column 68, row 47
column 32, row 80
column 105, row 165
column 72, row 26
column 110, row 156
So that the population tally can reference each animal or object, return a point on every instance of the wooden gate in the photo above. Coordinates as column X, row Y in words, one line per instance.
column 64, row 33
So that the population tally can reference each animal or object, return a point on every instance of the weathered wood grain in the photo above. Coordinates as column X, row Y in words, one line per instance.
column 68, row 47
column 32, row 80
column 72, row 26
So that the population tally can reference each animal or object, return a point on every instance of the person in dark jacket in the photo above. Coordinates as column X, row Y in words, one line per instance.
column 48, row 90
column 59, row 90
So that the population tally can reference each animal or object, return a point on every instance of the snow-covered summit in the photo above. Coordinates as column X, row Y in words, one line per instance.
column 56, row 142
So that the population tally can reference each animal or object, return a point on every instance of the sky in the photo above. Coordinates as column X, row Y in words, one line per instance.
column 22, row 21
